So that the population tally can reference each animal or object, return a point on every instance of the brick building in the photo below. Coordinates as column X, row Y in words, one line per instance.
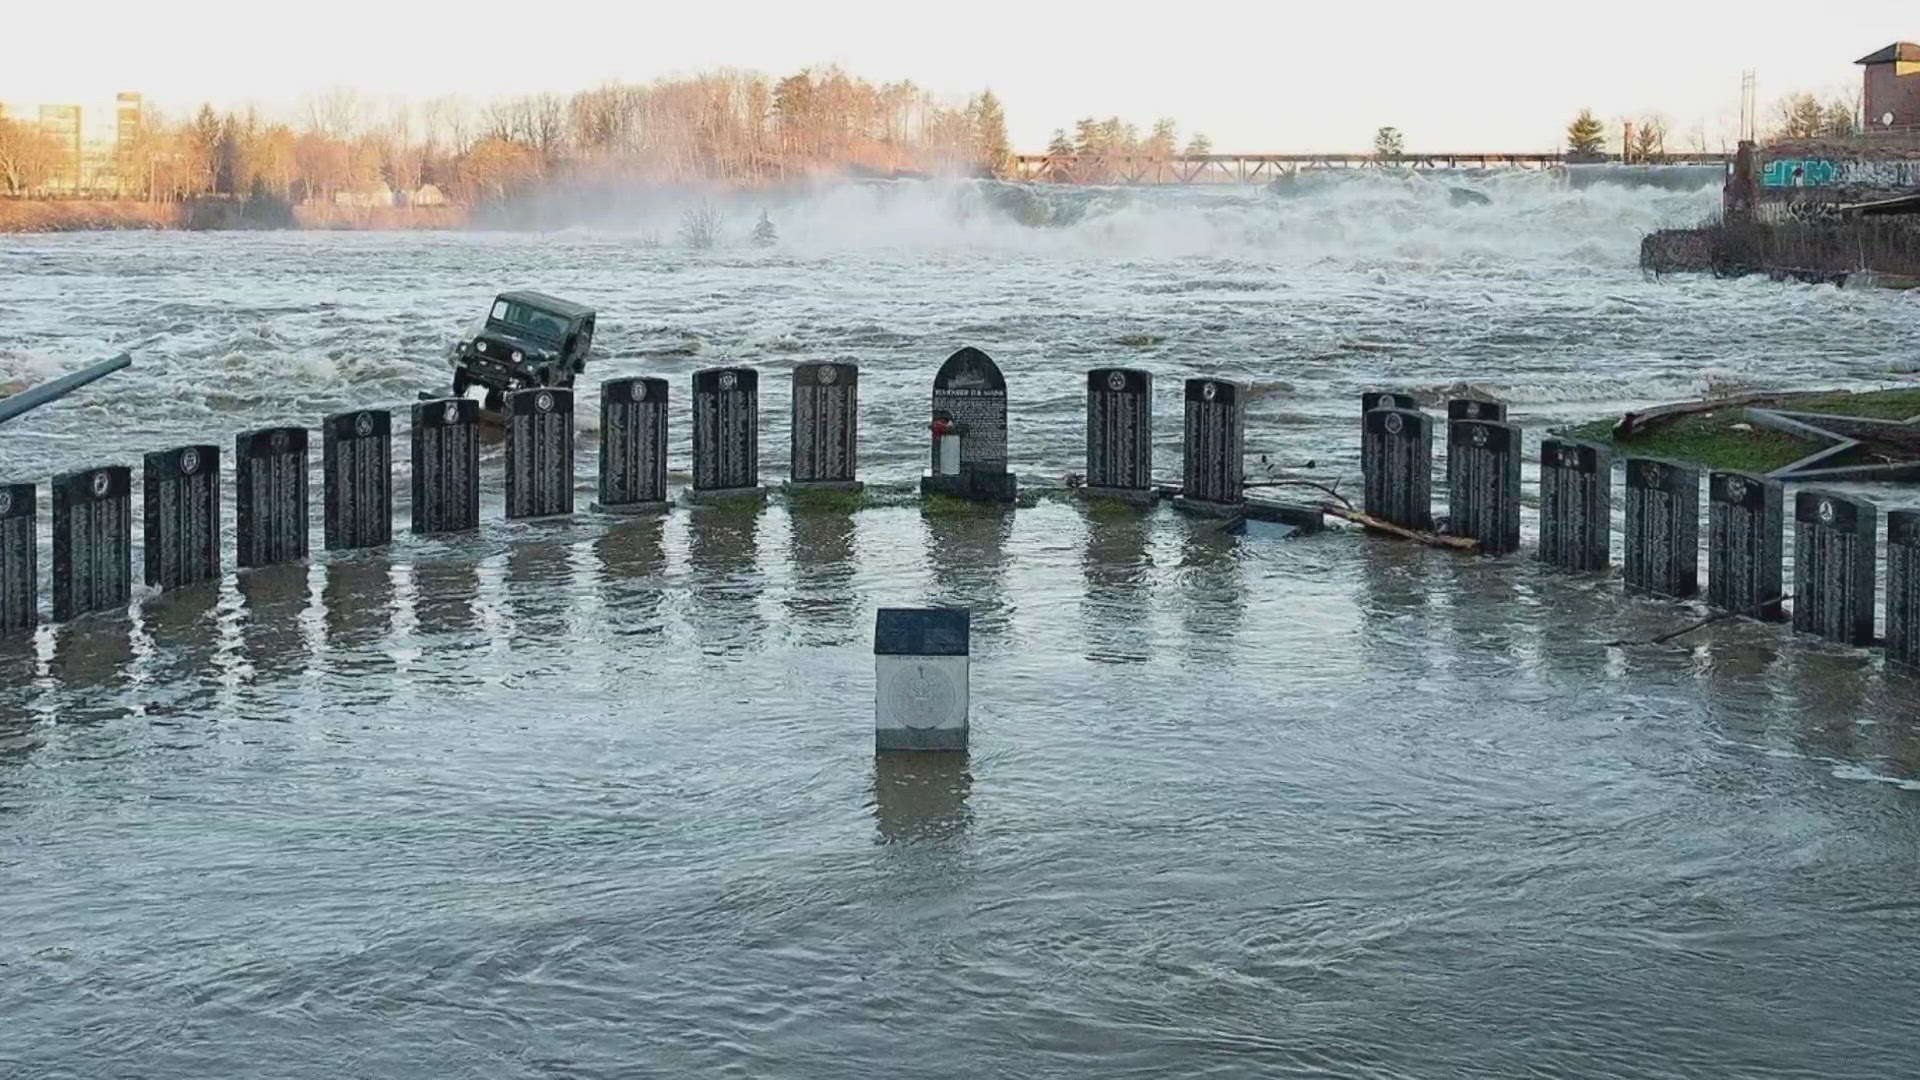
column 1892, row 91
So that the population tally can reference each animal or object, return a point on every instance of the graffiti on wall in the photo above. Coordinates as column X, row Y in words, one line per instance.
column 1826, row 172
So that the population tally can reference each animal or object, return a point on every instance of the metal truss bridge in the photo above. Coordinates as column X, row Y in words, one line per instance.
column 1262, row 168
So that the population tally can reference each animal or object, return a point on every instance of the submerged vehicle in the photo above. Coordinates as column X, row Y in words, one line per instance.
column 527, row 339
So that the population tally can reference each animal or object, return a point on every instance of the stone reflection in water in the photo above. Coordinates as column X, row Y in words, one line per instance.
column 19, row 670
column 1116, row 608
column 357, row 609
column 272, row 600
column 444, row 597
column 631, row 558
column 1828, row 700
column 1486, row 606
column 539, row 594
column 92, row 666
column 921, row 795
column 966, row 548
column 1214, row 590
column 1572, row 622
column 723, row 557
column 181, row 675
column 820, row 544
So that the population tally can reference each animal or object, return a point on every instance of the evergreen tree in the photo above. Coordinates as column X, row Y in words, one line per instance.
column 204, row 140
column 1585, row 138
column 1199, row 145
column 992, row 152
column 1086, row 137
column 764, row 233
column 1060, row 146
column 1388, row 144
column 1164, row 141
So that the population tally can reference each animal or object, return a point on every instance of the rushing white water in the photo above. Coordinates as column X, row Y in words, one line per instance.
column 598, row 798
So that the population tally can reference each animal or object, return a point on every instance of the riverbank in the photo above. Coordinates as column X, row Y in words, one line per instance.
column 95, row 215
column 1726, row 438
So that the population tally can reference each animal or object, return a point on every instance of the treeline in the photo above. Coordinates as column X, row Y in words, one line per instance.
column 732, row 127
column 1644, row 139
column 1115, row 137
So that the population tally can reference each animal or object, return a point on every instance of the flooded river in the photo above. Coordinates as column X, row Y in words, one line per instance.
column 598, row 798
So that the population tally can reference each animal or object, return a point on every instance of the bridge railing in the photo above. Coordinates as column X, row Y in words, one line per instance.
column 1263, row 168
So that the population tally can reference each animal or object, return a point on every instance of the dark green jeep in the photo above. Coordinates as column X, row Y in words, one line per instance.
column 527, row 339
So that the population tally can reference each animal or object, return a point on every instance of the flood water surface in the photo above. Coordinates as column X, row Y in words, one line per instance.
column 598, row 798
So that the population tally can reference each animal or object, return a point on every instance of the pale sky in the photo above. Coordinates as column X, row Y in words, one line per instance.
column 1493, row 75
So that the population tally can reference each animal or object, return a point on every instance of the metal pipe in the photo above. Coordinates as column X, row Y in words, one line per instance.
column 36, row 396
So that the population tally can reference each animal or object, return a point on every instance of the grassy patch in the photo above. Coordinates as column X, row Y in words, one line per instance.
column 1710, row 439
column 1707, row 439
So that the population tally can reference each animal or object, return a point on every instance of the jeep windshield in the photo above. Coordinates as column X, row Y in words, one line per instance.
column 527, row 321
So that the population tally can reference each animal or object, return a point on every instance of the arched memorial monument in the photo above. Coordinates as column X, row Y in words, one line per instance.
column 969, row 431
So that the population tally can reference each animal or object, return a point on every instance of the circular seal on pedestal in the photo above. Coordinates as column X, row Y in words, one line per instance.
column 1478, row 436
column 1650, row 472
column 189, row 461
column 1393, row 424
column 101, row 482
column 827, row 374
column 543, row 401
column 278, row 441
column 6, row 502
column 1736, row 489
column 363, row 425
column 639, row 389
column 1209, row 391
column 1826, row 511
column 923, row 697
column 452, row 413
column 1569, row 457
column 728, row 380
column 1116, row 380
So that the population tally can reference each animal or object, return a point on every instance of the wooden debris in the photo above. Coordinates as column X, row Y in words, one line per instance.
column 1454, row 543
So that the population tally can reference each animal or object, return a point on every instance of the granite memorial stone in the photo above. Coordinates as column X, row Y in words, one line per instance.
column 633, row 445
column 1833, row 565
column 357, row 475
column 1369, row 401
column 92, row 541
column 1483, row 483
column 1576, row 505
column 726, row 433
column 920, row 677
column 1387, row 399
column 19, row 559
column 446, row 465
column 1903, row 587
column 539, row 452
column 1214, row 447
column 826, row 426
column 270, row 496
column 1662, row 555
column 1475, row 409
column 1120, row 434
column 1397, row 445
column 969, row 431
column 181, row 510
column 1745, row 524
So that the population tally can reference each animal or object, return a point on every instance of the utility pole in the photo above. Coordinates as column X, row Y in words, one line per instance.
column 1747, row 87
